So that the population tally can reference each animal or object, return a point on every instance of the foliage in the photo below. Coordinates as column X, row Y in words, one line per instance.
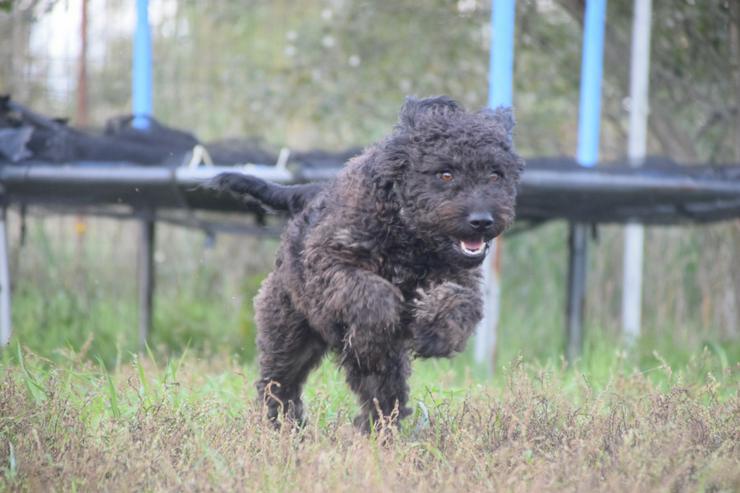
column 331, row 74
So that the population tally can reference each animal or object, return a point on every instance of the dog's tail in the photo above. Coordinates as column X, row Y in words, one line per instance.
column 288, row 198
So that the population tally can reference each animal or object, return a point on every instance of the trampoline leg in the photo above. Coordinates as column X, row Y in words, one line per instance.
column 486, row 332
column 146, row 280
column 577, row 251
column 5, row 328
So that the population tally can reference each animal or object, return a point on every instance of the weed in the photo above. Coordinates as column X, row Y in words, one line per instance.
column 190, row 423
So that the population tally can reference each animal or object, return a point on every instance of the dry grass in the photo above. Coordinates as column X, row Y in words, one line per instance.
column 189, row 425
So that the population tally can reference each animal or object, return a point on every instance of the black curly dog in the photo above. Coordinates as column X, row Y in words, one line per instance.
column 382, row 263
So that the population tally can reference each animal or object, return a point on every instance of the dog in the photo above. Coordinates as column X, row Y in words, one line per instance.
column 382, row 263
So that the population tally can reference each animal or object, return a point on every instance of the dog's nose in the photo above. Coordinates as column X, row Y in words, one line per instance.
column 480, row 220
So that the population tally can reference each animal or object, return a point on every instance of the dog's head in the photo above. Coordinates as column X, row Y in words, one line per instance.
column 454, row 174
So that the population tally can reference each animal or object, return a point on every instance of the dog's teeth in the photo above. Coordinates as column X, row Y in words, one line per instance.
column 477, row 249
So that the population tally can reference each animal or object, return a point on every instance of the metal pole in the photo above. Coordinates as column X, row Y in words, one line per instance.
column 5, row 320
column 142, row 68
column 146, row 280
column 499, row 94
column 82, row 99
column 735, row 53
column 577, row 244
column 501, row 63
column 142, row 110
column 634, row 234
column 589, row 119
column 486, row 334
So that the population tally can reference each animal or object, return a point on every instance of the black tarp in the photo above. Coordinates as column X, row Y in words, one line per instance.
column 28, row 136
column 45, row 161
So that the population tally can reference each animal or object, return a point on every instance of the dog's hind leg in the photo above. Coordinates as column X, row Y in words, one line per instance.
column 288, row 350
column 383, row 393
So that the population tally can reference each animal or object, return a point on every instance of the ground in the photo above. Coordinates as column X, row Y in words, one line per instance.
column 190, row 424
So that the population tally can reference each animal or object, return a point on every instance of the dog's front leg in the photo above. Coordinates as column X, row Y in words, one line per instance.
column 383, row 392
column 366, row 308
column 445, row 315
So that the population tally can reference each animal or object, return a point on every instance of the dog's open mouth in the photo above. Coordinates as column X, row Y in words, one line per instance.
column 473, row 248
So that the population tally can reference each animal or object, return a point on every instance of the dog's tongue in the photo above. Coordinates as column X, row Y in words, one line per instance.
column 472, row 245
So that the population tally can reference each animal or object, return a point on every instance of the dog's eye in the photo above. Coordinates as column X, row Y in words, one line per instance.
column 496, row 176
column 445, row 176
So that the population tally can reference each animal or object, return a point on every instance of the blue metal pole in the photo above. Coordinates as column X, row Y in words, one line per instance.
column 589, row 119
column 502, row 53
column 142, row 68
column 589, row 113
column 142, row 110
column 499, row 94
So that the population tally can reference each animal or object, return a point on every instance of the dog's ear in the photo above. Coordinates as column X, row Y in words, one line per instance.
column 414, row 109
column 407, row 115
column 398, row 153
column 502, row 117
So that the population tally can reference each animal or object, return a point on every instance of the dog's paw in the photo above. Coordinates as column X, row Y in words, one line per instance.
column 446, row 300
column 368, row 421
column 430, row 342
column 444, row 318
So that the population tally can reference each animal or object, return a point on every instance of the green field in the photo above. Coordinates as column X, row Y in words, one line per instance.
column 190, row 423
column 80, row 410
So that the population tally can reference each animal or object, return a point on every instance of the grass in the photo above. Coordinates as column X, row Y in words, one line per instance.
column 69, row 288
column 190, row 423
column 80, row 410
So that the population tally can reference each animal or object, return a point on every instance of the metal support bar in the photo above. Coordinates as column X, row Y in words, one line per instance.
column 500, row 79
column 589, row 120
column 486, row 335
column 577, row 268
column 146, row 280
column 142, row 68
column 634, row 241
column 500, row 84
column 634, row 234
column 82, row 93
column 5, row 319
column 589, row 107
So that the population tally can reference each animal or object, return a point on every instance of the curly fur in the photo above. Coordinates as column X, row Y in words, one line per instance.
column 370, row 266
